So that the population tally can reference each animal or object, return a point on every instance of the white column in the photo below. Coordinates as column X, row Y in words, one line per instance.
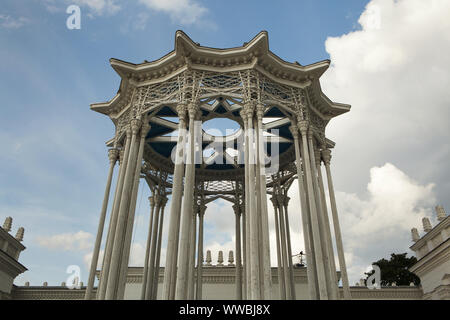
column 284, row 253
column 263, row 212
column 320, row 218
column 191, row 269
column 253, row 223
column 112, row 155
column 131, row 212
column 158, row 252
column 237, row 213
column 114, row 272
column 333, row 275
column 243, row 114
column 104, row 281
column 182, row 273
column 170, row 270
column 201, row 215
column 244, row 253
column 152, row 255
column 321, row 279
column 289, row 248
column 147, row 247
column 311, row 269
column 281, row 284
column 326, row 154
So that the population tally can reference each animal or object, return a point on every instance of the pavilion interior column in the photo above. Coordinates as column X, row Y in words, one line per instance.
column 326, row 154
column 131, row 212
column 333, row 275
column 319, row 263
column 112, row 155
column 170, row 270
column 154, row 288
column 148, row 245
column 201, row 214
column 281, row 284
column 289, row 248
column 237, row 213
column 186, row 222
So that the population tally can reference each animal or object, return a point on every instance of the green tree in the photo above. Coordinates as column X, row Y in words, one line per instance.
column 396, row 270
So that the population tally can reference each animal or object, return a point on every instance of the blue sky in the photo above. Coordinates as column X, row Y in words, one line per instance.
column 54, row 161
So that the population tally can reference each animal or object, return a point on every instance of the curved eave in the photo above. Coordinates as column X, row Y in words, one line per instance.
column 187, row 53
column 327, row 108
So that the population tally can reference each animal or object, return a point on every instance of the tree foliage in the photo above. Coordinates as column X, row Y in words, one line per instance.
column 396, row 270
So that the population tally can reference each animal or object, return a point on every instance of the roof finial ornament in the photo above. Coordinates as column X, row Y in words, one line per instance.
column 220, row 258
column 230, row 258
column 415, row 234
column 7, row 225
column 426, row 225
column 19, row 234
column 208, row 258
column 440, row 212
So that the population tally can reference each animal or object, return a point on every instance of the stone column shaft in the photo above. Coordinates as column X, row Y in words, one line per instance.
column 289, row 249
column 152, row 255
column 191, row 269
column 158, row 252
column 175, row 211
column 267, row 270
column 113, row 153
column 334, row 281
column 320, row 217
column 132, row 209
column 114, row 218
column 237, row 214
column 244, row 254
column 321, row 278
column 284, row 253
column 337, row 229
column 183, row 265
column 253, row 223
column 281, row 284
column 198, row 292
column 147, row 247
column 114, row 272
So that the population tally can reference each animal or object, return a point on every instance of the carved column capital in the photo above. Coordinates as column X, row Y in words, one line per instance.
column 135, row 125
column 259, row 111
column 237, row 209
column 317, row 157
column 192, row 110
column 274, row 200
column 121, row 155
column 294, row 130
column 181, row 110
column 113, row 154
column 303, row 126
column 152, row 201
column 286, row 201
column 326, row 156
column 145, row 129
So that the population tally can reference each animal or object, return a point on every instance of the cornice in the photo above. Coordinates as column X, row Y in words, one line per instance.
column 444, row 224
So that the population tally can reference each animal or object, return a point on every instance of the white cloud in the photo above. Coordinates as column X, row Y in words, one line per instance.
column 182, row 11
column 79, row 241
column 9, row 22
column 375, row 227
